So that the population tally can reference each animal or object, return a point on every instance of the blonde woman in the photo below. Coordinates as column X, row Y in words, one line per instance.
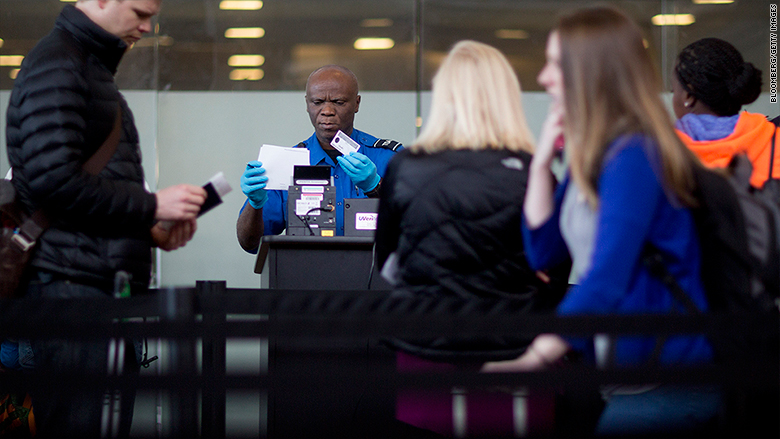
column 448, row 203
column 630, row 184
column 451, row 206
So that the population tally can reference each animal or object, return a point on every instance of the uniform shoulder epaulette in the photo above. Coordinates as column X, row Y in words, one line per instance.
column 300, row 145
column 392, row 145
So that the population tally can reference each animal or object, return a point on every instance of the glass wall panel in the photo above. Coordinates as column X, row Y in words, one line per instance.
column 520, row 29
column 194, row 41
column 291, row 37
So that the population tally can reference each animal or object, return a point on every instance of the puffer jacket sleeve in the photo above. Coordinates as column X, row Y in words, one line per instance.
column 388, row 228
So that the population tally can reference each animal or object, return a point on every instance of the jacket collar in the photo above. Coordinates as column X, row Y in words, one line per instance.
column 107, row 47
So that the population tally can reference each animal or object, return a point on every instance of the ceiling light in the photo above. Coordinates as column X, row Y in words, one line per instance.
column 1, row 42
column 240, row 5
column 511, row 34
column 246, row 60
column 673, row 19
column 713, row 2
column 376, row 22
column 13, row 73
column 68, row 1
column 11, row 60
column 374, row 43
column 245, row 32
column 246, row 74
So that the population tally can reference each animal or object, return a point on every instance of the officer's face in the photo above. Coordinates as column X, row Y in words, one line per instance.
column 331, row 101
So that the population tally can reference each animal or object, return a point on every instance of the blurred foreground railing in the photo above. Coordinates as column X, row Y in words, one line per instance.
column 188, row 316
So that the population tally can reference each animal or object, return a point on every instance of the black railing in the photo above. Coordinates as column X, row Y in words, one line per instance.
column 186, row 315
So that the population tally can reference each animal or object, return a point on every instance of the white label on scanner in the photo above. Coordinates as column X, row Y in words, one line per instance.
column 365, row 221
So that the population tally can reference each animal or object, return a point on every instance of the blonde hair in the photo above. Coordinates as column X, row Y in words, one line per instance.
column 611, row 88
column 476, row 104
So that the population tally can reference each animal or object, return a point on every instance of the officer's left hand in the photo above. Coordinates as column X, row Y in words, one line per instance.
column 360, row 169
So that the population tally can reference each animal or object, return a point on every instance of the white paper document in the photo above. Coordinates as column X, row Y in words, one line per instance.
column 279, row 163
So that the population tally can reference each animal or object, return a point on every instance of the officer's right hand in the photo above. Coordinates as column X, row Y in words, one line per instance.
column 253, row 183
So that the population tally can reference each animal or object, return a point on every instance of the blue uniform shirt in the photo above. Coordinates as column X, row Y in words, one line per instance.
column 275, row 209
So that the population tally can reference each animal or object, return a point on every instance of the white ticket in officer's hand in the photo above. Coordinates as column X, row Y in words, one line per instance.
column 344, row 144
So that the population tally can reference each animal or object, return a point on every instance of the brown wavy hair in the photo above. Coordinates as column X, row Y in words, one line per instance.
column 611, row 89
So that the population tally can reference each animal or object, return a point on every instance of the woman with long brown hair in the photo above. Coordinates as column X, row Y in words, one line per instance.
column 629, row 185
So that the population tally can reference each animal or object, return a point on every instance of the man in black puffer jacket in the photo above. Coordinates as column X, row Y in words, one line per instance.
column 63, row 106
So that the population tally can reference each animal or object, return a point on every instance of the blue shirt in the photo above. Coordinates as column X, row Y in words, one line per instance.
column 633, row 210
column 275, row 209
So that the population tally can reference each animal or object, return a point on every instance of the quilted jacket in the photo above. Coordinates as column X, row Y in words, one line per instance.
column 62, row 107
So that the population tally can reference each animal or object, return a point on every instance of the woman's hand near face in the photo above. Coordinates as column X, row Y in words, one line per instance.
column 539, row 201
column 552, row 134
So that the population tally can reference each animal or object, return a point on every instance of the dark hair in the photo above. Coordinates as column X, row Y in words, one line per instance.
column 713, row 71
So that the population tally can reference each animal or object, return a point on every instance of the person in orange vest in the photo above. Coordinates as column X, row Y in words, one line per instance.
column 710, row 84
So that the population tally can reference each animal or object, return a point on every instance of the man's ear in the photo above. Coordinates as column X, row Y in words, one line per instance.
column 357, row 103
column 93, row 9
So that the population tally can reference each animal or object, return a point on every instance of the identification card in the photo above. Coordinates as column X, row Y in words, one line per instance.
column 343, row 143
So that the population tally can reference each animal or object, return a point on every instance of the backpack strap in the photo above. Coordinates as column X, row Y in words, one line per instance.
column 776, row 122
column 772, row 156
column 100, row 158
column 26, row 235
column 654, row 261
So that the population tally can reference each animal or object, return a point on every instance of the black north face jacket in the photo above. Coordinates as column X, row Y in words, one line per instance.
column 453, row 220
column 62, row 108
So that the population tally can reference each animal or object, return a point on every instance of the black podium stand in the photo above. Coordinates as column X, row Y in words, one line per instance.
column 318, row 263
column 327, row 388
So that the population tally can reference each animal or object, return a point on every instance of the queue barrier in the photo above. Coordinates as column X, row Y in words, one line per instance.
column 188, row 315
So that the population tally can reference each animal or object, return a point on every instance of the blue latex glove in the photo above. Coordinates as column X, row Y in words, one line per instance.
column 360, row 169
column 253, row 184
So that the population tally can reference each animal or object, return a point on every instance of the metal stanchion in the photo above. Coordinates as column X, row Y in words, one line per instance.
column 212, row 295
column 178, row 305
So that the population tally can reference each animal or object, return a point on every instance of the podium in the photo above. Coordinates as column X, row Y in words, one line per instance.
column 318, row 263
column 325, row 388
